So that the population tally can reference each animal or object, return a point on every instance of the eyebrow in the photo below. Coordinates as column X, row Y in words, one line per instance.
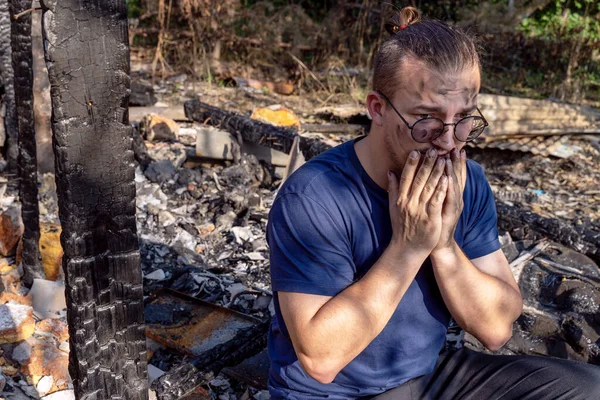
column 428, row 109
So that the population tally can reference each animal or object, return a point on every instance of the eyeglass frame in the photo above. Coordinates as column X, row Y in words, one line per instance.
column 485, row 123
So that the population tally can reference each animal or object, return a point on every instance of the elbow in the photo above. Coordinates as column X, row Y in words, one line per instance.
column 319, row 370
column 496, row 341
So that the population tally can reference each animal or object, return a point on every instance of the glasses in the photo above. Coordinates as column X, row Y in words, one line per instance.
column 428, row 129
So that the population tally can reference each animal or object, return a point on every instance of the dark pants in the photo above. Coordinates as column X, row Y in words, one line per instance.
column 466, row 374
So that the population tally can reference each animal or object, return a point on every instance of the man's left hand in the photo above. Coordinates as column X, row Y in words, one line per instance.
column 456, row 170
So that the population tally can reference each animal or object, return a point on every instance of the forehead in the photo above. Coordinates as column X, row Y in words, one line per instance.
column 419, row 84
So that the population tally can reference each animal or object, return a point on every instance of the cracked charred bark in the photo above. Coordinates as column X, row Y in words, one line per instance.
column 87, row 55
column 6, row 78
column 22, row 63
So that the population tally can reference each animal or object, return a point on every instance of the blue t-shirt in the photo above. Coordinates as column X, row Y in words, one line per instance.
column 328, row 225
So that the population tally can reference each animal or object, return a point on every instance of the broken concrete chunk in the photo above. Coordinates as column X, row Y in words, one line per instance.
column 48, row 297
column 16, row 322
column 157, row 275
column 54, row 327
column 156, row 127
column 11, row 229
column 21, row 352
column 44, row 385
column 61, row 395
column 45, row 359
column 242, row 234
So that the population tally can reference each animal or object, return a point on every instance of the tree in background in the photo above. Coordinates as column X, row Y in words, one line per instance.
column 576, row 22
column 87, row 55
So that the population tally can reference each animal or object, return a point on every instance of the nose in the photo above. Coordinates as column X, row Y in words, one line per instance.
column 446, row 140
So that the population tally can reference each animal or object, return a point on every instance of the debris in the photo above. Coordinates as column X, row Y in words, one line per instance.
column 157, row 275
column 16, row 322
column 61, row 395
column 48, row 297
column 11, row 229
column 137, row 114
column 141, row 94
column 154, row 127
column 44, row 385
column 252, row 131
column 216, row 144
column 277, row 116
column 160, row 171
column 281, row 88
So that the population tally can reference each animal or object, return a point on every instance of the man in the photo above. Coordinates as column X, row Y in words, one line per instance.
column 378, row 242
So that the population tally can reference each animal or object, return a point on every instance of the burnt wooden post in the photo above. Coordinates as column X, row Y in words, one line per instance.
column 87, row 54
column 6, row 79
column 22, row 63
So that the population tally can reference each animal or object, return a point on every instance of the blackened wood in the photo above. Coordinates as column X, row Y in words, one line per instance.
column 141, row 95
column 524, row 224
column 9, row 150
column 251, row 130
column 22, row 62
column 140, row 150
column 87, row 55
column 184, row 378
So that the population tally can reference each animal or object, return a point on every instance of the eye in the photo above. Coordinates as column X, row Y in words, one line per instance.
column 423, row 116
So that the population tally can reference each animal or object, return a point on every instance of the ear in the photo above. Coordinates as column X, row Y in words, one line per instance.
column 376, row 107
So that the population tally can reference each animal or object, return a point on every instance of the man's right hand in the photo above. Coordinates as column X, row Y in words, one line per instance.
column 416, row 202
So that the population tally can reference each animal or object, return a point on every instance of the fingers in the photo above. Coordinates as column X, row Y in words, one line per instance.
column 432, row 182
column 423, row 174
column 463, row 162
column 392, row 187
column 408, row 174
column 434, row 207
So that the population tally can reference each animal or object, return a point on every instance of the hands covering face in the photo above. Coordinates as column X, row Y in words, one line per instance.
column 426, row 202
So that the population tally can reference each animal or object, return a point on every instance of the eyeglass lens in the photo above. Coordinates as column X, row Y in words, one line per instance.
column 429, row 129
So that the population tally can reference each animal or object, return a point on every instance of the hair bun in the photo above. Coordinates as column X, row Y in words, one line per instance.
column 402, row 19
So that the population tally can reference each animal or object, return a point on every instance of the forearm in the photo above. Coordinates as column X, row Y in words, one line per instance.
column 483, row 305
column 345, row 325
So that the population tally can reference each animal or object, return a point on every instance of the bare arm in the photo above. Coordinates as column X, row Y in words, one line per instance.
column 481, row 294
column 329, row 332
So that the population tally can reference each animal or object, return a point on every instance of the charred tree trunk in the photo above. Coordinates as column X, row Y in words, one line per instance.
column 6, row 78
column 22, row 62
column 87, row 54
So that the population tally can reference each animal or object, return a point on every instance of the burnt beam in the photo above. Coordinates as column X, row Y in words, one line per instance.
column 251, row 130
column 525, row 224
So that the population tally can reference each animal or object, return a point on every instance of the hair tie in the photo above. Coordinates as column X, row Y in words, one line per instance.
column 403, row 27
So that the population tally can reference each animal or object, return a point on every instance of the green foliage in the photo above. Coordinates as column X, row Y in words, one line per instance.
column 565, row 19
column 134, row 8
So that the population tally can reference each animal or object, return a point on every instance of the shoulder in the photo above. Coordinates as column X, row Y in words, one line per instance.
column 321, row 175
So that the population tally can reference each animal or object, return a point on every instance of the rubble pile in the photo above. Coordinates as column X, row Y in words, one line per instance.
column 201, row 226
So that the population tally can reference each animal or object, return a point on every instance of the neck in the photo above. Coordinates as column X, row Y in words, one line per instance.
column 374, row 159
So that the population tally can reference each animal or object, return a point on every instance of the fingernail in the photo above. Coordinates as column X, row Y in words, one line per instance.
column 389, row 174
column 414, row 155
column 444, row 179
column 431, row 153
column 440, row 161
column 463, row 153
